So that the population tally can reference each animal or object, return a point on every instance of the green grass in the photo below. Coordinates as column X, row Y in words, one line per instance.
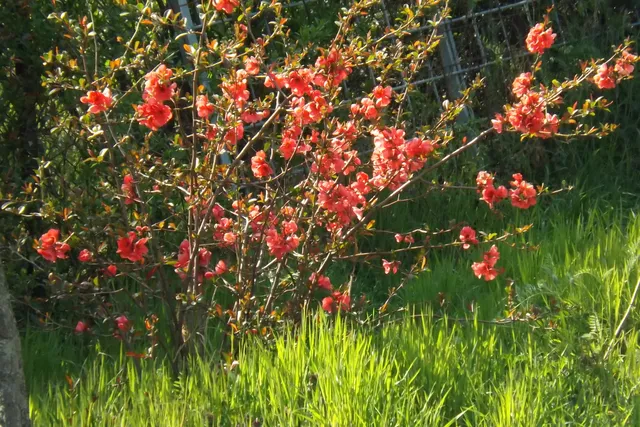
column 421, row 370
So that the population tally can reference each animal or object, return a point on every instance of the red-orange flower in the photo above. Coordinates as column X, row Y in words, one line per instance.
column 158, row 85
column 492, row 256
column 368, row 109
column 81, row 327
column 85, row 255
column 122, row 323
column 111, row 271
column 204, row 107
column 521, row 84
column 252, row 65
column 50, row 248
column 497, row 123
column 259, row 165
column 98, row 101
column 483, row 179
column 321, row 281
column 276, row 81
column 623, row 68
column 486, row 269
column 390, row 266
column 337, row 301
column 382, row 95
column 604, row 79
column 226, row 5
column 483, row 270
column 539, row 39
column 252, row 116
column 128, row 190
column 234, row 135
column 201, row 262
column 493, row 195
column 327, row 304
column 220, row 268
column 523, row 194
column 212, row 132
column 132, row 248
column 468, row 237
column 154, row 114
column 183, row 254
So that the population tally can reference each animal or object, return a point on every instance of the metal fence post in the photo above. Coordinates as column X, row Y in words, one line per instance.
column 451, row 66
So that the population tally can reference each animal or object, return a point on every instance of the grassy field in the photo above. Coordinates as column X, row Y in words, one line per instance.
column 422, row 370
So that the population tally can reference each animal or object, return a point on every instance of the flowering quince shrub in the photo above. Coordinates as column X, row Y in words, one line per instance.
column 229, row 184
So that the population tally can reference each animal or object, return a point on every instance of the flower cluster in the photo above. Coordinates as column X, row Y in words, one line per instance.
column 50, row 248
column 292, row 143
column 225, row 176
column 223, row 232
column 98, row 101
column 486, row 268
column 540, row 39
column 337, row 301
column 227, row 6
column 280, row 244
column 522, row 194
column 408, row 238
column 201, row 262
column 132, row 248
column 335, row 155
column 390, row 266
column 529, row 115
column 490, row 194
column 394, row 159
column 128, row 189
column 343, row 202
column 322, row 282
column 607, row 76
column 468, row 237
column 85, row 255
column 235, row 89
column 368, row 107
column 331, row 69
column 158, row 88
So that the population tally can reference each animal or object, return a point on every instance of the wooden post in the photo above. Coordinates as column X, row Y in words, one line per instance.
column 14, row 410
